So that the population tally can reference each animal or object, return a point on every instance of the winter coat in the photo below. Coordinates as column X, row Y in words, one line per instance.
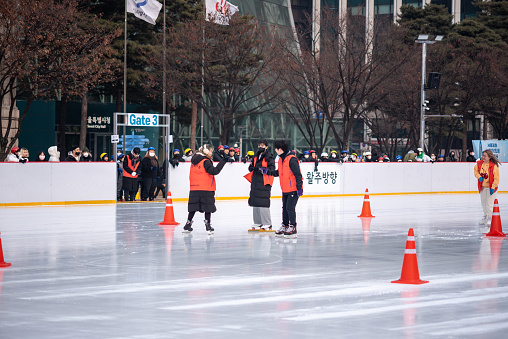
column 259, row 192
column 54, row 155
column 12, row 158
column 149, row 167
column 71, row 158
column 218, row 156
column 471, row 158
column 204, row 201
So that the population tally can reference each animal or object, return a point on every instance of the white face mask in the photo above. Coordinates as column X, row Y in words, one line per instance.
column 151, row 154
column 85, row 155
column 334, row 155
column 42, row 157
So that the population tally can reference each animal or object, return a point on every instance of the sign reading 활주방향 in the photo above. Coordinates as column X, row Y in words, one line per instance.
column 139, row 119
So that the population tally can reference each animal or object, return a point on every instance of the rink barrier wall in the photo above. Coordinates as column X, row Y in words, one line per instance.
column 351, row 179
column 57, row 183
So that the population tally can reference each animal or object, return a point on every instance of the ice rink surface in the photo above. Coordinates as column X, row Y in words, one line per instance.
column 111, row 272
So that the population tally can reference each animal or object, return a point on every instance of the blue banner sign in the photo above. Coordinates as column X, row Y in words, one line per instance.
column 498, row 147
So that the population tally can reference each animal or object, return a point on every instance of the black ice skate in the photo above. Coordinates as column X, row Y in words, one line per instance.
column 290, row 232
column 209, row 227
column 187, row 228
column 280, row 232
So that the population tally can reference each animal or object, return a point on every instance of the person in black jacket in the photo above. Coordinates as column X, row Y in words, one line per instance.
column 176, row 159
column 470, row 157
column 261, row 187
column 218, row 155
column 74, row 156
column 202, row 187
column 131, row 171
column 149, row 170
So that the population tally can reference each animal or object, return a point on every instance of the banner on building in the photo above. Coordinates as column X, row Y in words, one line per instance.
column 220, row 11
column 498, row 147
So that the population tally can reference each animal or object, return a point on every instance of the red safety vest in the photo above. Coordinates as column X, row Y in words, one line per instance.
column 286, row 177
column 491, row 174
column 267, row 179
column 200, row 179
column 133, row 168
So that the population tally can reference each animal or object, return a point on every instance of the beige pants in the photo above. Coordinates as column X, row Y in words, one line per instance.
column 487, row 202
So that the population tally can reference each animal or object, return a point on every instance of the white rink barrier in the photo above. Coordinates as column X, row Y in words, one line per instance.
column 57, row 183
column 348, row 179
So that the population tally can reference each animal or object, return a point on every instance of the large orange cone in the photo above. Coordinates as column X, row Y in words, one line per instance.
column 410, row 274
column 496, row 230
column 2, row 261
column 366, row 206
column 169, row 215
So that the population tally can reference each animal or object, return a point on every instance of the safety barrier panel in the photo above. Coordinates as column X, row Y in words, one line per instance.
column 57, row 183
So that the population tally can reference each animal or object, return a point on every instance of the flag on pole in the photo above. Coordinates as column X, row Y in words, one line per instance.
column 147, row 10
column 220, row 11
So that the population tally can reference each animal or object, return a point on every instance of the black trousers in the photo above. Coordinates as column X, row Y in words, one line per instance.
column 130, row 187
column 289, row 201
column 149, row 185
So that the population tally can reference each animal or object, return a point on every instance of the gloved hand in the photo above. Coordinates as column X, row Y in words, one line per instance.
column 299, row 192
column 133, row 174
column 231, row 160
column 263, row 170
column 480, row 179
column 492, row 191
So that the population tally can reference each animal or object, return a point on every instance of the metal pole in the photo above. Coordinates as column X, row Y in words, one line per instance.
column 422, row 106
column 202, row 84
column 168, row 130
column 124, row 150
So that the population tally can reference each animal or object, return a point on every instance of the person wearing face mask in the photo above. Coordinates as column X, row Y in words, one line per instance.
column 130, row 173
column 218, row 155
column 202, row 187
column 149, row 171
column 291, row 183
column 74, row 154
column 54, row 154
column 333, row 157
column 367, row 156
column 306, row 157
column 470, row 156
column 86, row 155
column 176, row 159
column 261, row 187
column 41, row 156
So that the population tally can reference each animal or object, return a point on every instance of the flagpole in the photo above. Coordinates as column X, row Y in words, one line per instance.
column 168, row 131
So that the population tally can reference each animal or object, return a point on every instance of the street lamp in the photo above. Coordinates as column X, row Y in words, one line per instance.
column 424, row 39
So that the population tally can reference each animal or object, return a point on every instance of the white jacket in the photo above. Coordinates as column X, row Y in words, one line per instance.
column 54, row 155
column 12, row 158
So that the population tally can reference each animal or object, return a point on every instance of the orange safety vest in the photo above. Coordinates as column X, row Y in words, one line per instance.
column 491, row 174
column 133, row 168
column 286, row 177
column 267, row 179
column 200, row 179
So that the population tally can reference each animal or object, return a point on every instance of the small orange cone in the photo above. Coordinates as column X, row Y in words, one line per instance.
column 169, row 215
column 410, row 274
column 366, row 206
column 496, row 230
column 2, row 261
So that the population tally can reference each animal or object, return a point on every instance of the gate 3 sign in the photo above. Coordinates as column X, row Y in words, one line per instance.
column 148, row 120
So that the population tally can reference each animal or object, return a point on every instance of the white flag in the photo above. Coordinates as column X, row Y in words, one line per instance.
column 220, row 11
column 147, row 10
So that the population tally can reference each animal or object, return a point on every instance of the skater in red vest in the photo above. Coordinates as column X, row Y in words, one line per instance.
column 291, row 183
column 202, row 186
column 486, row 171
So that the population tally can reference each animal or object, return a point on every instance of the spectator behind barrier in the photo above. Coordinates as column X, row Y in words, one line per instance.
column 74, row 154
column 41, row 156
column 86, row 155
column 54, row 154
column 14, row 155
column 23, row 155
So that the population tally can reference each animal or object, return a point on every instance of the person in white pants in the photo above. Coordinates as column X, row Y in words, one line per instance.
column 486, row 171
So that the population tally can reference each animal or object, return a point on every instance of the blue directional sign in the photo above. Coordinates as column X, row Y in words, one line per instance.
column 132, row 141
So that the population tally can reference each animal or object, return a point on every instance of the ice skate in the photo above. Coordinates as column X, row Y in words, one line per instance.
column 280, row 232
column 266, row 228
column 209, row 227
column 255, row 228
column 290, row 232
column 188, row 227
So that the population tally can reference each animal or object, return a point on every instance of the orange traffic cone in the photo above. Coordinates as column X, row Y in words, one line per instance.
column 410, row 273
column 2, row 261
column 169, row 215
column 366, row 206
column 496, row 230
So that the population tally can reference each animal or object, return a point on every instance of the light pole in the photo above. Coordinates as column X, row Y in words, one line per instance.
column 424, row 40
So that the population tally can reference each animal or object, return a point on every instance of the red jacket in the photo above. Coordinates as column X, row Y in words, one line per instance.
column 200, row 179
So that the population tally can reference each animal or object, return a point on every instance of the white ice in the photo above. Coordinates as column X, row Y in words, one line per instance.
column 112, row 272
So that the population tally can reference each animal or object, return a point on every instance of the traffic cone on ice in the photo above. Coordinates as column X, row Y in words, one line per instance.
column 2, row 261
column 496, row 230
column 169, row 215
column 366, row 206
column 410, row 274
